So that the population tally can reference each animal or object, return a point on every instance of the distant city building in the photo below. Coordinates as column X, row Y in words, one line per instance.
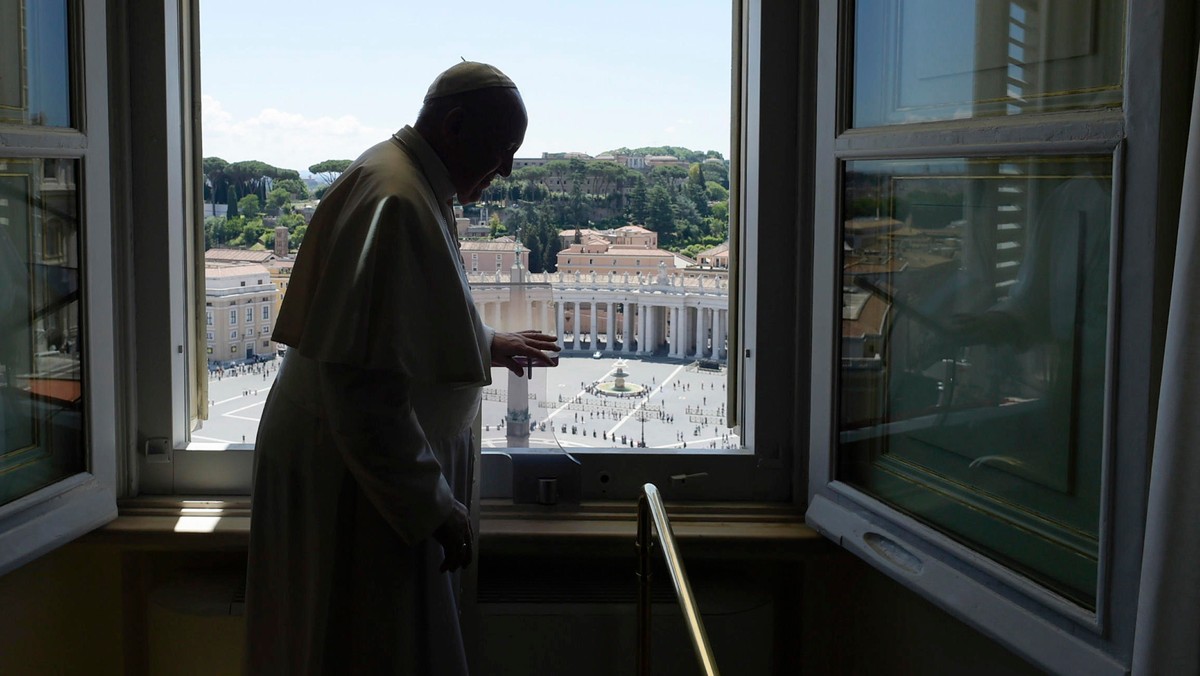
column 627, row 235
column 863, row 231
column 240, row 308
column 281, row 241
column 522, row 162
column 665, row 161
column 54, row 252
column 279, row 266
column 496, row 255
column 716, row 257
column 630, row 249
column 260, row 256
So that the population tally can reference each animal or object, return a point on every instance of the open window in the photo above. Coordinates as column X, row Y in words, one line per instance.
column 984, row 297
column 691, row 315
column 58, row 356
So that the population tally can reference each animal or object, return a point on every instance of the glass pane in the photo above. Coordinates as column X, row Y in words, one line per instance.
column 973, row 336
column 41, row 367
column 35, row 73
column 612, row 388
column 242, row 293
column 271, row 152
column 922, row 60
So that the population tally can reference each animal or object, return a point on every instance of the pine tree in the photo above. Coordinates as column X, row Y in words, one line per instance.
column 638, row 203
column 231, row 200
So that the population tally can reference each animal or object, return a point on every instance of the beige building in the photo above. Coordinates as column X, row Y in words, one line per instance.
column 496, row 255
column 665, row 161
column 600, row 257
column 240, row 309
column 277, row 262
column 626, row 235
column 716, row 258
column 630, row 249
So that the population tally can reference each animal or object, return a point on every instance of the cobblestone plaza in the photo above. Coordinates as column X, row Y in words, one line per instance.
column 684, row 408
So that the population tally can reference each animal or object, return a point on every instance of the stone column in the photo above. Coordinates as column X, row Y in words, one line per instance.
column 643, row 327
column 593, row 318
column 686, row 328
column 627, row 336
column 719, row 320
column 562, row 324
column 580, row 332
column 714, row 327
column 673, row 330
column 612, row 326
column 700, row 341
column 544, row 318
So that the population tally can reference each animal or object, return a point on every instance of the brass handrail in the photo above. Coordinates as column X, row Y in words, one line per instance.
column 650, row 506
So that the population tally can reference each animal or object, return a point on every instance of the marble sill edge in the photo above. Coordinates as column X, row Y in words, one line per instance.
column 156, row 520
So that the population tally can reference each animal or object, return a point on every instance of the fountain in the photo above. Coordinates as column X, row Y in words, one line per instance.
column 619, row 386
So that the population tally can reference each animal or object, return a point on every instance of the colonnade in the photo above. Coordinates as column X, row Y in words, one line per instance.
column 697, row 330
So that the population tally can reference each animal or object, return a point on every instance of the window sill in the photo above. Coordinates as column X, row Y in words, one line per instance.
column 758, row 528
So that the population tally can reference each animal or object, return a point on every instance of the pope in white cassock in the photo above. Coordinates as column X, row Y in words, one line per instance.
column 364, row 451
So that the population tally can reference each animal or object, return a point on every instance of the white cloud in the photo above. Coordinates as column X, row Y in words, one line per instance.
column 285, row 139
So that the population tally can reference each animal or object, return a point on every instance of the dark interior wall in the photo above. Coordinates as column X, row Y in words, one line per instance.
column 113, row 609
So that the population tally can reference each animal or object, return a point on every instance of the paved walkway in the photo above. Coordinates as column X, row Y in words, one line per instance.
column 685, row 406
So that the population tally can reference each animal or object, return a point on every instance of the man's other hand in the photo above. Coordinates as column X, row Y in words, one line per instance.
column 456, row 539
column 529, row 345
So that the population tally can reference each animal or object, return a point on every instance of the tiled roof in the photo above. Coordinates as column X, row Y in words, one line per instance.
column 476, row 245
column 238, row 255
column 219, row 270
column 722, row 248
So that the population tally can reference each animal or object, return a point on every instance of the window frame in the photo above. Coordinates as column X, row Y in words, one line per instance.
column 51, row 516
column 770, row 399
column 1041, row 626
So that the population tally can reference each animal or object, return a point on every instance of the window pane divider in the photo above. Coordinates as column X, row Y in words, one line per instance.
column 1028, row 631
column 1048, row 131
column 36, row 142
column 998, row 149
column 925, row 534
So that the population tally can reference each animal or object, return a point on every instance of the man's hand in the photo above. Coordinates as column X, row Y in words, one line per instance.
column 456, row 539
column 529, row 345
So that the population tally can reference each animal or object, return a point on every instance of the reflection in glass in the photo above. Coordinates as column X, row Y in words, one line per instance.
column 973, row 335
column 35, row 75
column 41, row 389
column 923, row 60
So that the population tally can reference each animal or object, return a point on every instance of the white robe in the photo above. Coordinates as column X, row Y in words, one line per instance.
column 365, row 440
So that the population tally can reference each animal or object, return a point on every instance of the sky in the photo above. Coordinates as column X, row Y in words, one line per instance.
column 294, row 83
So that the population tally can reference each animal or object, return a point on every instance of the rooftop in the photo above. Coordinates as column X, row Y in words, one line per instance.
column 239, row 255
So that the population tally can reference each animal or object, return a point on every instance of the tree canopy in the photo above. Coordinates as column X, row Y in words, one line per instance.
column 246, row 177
column 328, row 170
column 685, row 154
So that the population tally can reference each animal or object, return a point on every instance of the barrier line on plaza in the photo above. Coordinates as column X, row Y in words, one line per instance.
column 650, row 396
column 577, row 394
column 230, row 414
column 679, row 444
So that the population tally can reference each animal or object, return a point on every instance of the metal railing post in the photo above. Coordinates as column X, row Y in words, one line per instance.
column 644, row 544
column 650, row 506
